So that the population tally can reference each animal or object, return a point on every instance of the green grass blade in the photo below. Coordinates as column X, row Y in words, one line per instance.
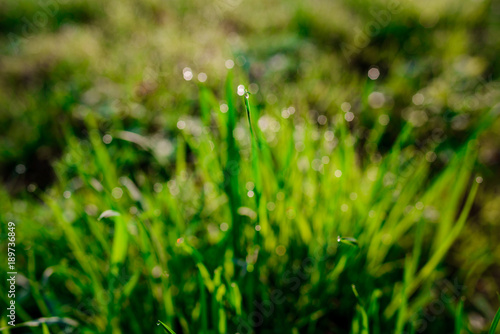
column 348, row 241
column 494, row 324
column 361, row 310
column 45, row 329
column 165, row 327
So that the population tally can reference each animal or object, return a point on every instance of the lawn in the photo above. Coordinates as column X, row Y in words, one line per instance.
column 244, row 167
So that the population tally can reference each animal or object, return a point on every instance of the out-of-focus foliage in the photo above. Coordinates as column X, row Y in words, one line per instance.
column 373, row 120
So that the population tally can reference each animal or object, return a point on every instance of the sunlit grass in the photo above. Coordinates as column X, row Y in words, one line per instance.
column 293, row 209
column 325, row 201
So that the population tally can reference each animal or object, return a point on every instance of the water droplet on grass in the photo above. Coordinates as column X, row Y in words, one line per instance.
column 241, row 90
column 108, row 213
column 20, row 169
column 348, row 241
column 373, row 73
column 229, row 64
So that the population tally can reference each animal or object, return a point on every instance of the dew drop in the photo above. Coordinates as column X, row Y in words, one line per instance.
column 187, row 74
column 20, row 169
column 229, row 64
column 373, row 73
column 202, row 77
column 241, row 90
column 348, row 241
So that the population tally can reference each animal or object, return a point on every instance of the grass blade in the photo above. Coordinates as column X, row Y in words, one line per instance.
column 494, row 324
column 165, row 327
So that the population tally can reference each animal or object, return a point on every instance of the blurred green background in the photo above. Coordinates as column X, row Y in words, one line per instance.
column 139, row 192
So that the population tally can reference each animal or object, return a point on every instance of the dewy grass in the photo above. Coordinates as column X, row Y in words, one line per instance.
column 247, row 107
column 348, row 241
column 248, row 231
column 174, row 199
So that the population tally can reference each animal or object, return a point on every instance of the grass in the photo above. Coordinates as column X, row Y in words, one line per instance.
column 321, row 202
column 494, row 324
column 165, row 327
column 300, row 214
